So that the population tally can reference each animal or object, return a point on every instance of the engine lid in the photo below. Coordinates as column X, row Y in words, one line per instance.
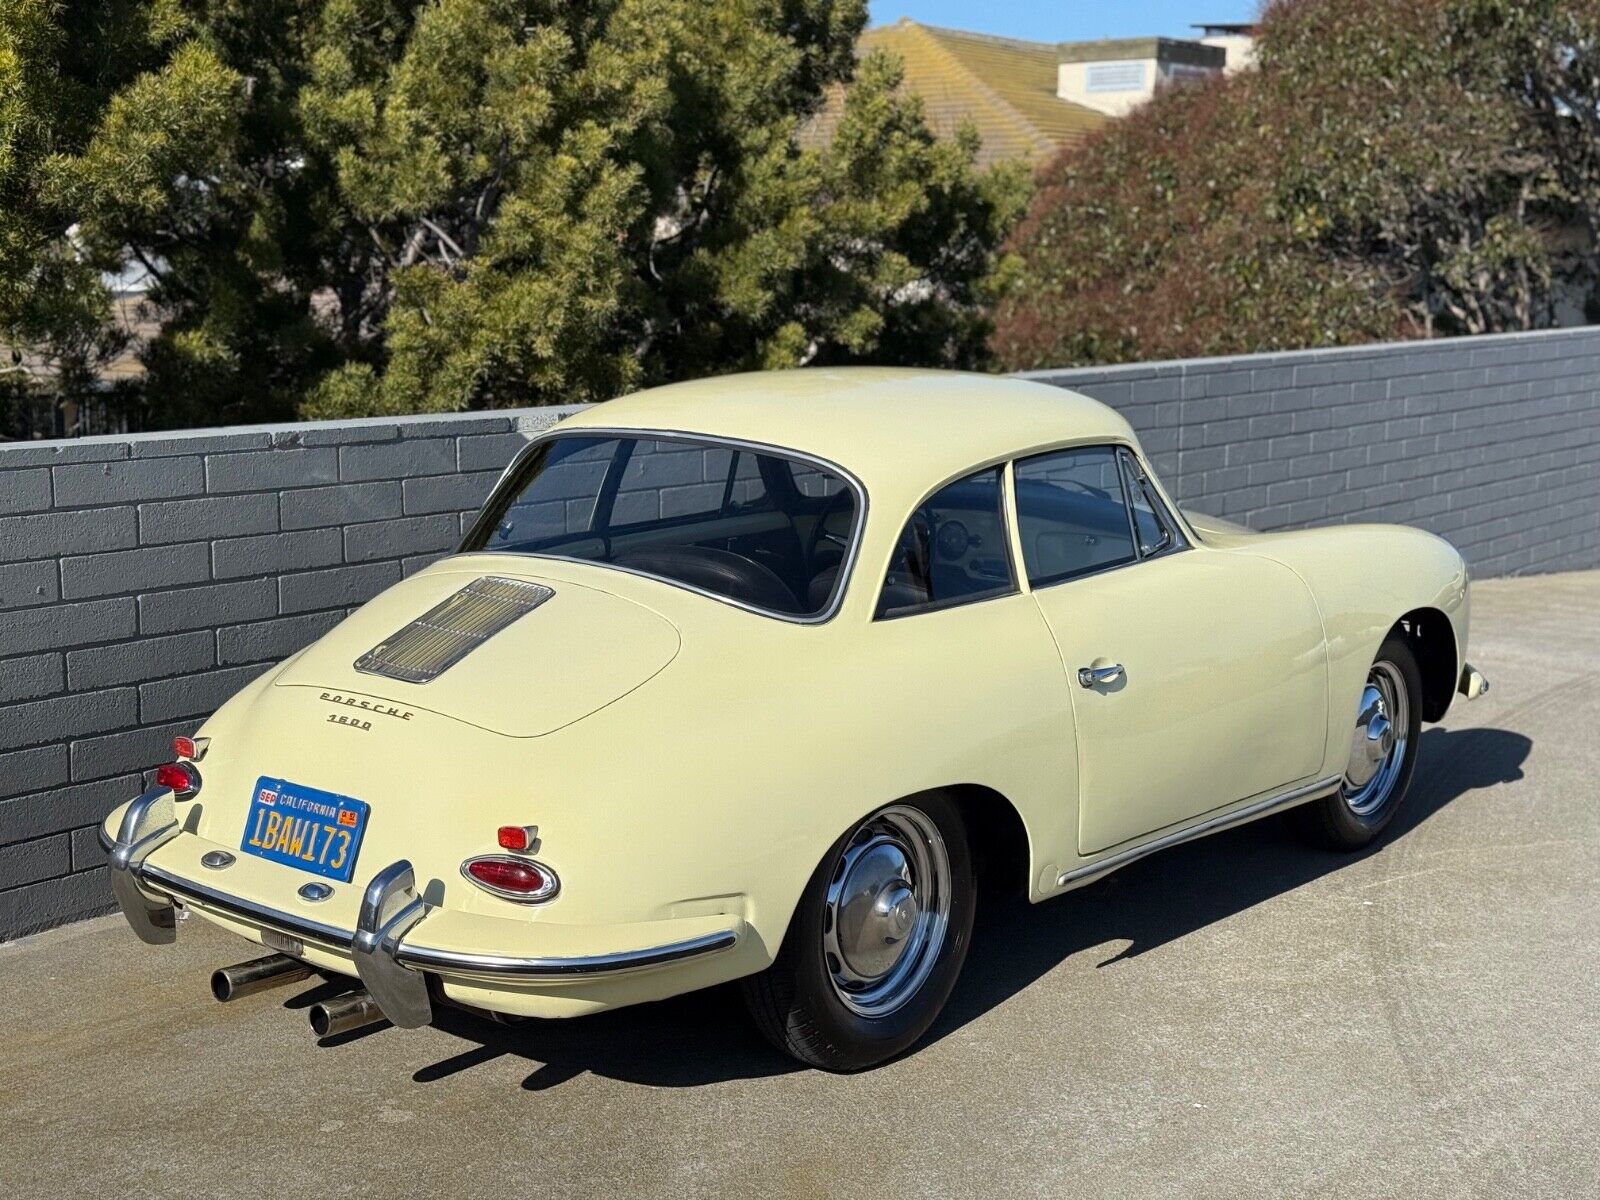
column 506, row 651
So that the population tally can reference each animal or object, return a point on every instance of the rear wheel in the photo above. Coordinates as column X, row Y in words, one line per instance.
column 876, row 943
column 1383, row 754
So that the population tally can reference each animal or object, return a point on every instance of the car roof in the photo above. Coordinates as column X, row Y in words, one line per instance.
column 888, row 426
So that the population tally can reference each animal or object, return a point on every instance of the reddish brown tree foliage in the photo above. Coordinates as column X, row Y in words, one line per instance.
column 1374, row 178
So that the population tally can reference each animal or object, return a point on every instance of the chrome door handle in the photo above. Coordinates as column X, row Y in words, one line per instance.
column 1099, row 674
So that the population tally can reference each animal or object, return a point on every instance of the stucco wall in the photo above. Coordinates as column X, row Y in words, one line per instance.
column 143, row 579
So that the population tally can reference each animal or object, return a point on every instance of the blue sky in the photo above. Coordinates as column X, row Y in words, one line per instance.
column 1040, row 21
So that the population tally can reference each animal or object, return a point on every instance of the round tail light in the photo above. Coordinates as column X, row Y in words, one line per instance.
column 512, row 878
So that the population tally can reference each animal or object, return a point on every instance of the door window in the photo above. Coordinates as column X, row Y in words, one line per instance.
column 1072, row 514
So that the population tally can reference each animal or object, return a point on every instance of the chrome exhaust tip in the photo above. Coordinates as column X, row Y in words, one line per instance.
column 257, row 975
column 344, row 1013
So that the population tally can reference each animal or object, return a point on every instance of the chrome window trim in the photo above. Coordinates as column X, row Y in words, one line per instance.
column 938, row 606
column 1169, row 505
column 1094, row 574
column 1119, row 453
column 1129, row 463
column 846, row 570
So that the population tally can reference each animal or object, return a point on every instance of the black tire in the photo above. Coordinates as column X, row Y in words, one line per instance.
column 1332, row 822
column 795, row 1002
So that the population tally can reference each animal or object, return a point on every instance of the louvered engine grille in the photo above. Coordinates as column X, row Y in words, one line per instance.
column 453, row 629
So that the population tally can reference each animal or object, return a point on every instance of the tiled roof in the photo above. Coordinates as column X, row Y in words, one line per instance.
column 1004, row 87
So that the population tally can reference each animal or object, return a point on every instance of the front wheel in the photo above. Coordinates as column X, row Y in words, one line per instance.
column 876, row 942
column 1383, row 754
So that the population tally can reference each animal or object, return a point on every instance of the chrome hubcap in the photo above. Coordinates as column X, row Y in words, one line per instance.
column 1378, row 750
column 888, row 910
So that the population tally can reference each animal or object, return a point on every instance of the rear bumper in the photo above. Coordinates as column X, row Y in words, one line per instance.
column 1472, row 684
column 387, row 948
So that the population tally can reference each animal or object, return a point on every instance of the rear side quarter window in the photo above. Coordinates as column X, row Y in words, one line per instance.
column 954, row 549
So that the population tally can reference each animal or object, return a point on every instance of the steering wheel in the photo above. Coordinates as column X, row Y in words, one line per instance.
column 919, row 549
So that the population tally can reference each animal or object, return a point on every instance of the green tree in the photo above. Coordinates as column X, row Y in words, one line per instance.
column 1382, row 174
column 373, row 206
column 52, row 301
column 1546, row 54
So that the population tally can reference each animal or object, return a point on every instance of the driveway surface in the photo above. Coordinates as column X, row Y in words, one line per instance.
column 1239, row 1017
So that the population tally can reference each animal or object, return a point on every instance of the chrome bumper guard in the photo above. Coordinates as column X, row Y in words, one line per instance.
column 150, row 822
column 1473, row 684
column 391, row 908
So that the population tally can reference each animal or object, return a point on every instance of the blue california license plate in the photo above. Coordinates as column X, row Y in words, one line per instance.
column 306, row 828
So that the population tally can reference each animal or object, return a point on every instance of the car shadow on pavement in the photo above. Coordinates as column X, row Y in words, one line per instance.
column 705, row 1037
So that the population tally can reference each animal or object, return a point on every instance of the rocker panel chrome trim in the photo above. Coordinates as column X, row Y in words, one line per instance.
column 1079, row 876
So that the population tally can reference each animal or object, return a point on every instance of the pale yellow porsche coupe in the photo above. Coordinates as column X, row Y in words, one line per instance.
column 768, row 678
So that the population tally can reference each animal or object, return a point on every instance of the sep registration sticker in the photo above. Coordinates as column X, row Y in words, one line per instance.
column 302, row 827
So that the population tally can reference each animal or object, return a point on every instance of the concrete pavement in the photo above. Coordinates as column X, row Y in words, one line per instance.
column 1240, row 1017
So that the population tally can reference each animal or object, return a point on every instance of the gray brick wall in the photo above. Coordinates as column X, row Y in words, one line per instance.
column 143, row 579
column 1493, row 443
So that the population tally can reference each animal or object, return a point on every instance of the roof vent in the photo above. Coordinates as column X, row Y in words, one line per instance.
column 453, row 629
column 1114, row 77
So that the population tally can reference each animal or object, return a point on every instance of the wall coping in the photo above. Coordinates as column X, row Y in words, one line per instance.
column 103, row 447
column 1277, row 358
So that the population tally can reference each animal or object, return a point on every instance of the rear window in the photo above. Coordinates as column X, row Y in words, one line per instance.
column 752, row 526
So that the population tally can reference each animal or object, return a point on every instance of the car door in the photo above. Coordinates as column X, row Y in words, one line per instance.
column 965, row 668
column 1198, row 677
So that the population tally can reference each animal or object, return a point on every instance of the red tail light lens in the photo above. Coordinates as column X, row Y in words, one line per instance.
column 180, row 777
column 512, row 878
column 184, row 747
